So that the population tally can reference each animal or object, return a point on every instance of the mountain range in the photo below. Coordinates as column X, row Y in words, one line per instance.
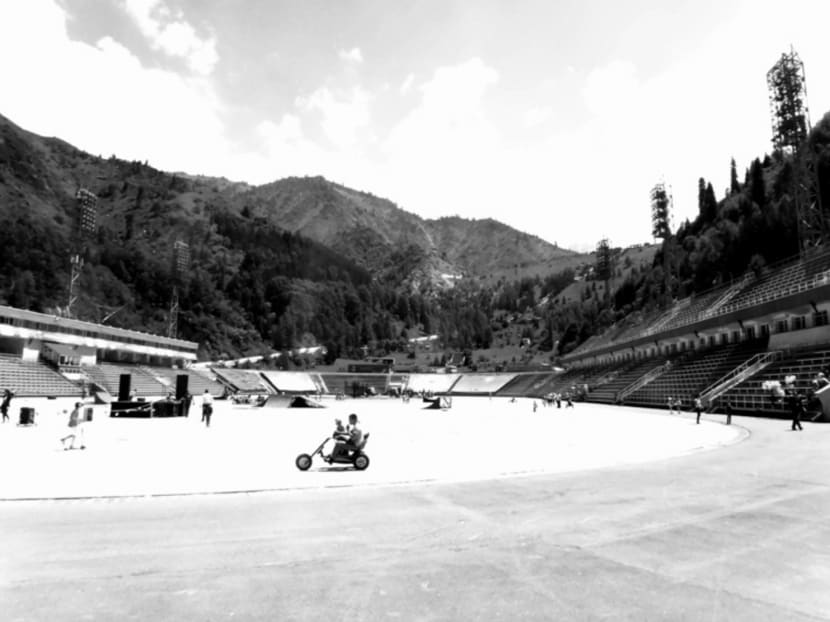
column 296, row 261
column 42, row 175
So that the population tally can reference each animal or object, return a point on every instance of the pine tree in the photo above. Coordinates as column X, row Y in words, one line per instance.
column 734, row 185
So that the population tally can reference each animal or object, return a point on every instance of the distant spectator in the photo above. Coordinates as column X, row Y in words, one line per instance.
column 75, row 428
column 728, row 412
column 698, row 407
column 670, row 402
column 797, row 405
column 207, row 407
column 4, row 406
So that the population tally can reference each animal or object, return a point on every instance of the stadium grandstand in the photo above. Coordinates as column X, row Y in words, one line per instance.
column 43, row 355
column 724, row 345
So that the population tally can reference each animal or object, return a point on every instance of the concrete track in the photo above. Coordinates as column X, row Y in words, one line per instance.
column 735, row 533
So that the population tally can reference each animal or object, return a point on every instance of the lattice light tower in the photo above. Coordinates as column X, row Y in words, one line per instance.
column 790, row 115
column 661, row 211
column 661, row 221
column 86, row 222
column 181, row 266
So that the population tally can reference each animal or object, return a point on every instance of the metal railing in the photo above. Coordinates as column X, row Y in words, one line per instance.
column 739, row 374
column 642, row 381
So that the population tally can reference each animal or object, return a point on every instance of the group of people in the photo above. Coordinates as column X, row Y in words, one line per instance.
column 348, row 438
column 558, row 398
column 675, row 405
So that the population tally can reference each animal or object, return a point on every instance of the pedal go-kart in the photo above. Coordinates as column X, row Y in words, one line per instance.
column 355, row 457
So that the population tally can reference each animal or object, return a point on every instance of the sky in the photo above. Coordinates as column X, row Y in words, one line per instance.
column 553, row 116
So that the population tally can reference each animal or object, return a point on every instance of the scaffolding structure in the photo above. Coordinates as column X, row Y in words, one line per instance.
column 787, row 85
column 86, row 223
column 181, row 265
column 661, row 211
column 661, row 226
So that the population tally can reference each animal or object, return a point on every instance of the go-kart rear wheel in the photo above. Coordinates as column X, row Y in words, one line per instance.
column 303, row 462
column 361, row 461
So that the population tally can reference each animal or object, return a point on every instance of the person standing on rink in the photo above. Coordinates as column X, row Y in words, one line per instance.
column 4, row 407
column 207, row 407
column 698, row 408
column 798, row 411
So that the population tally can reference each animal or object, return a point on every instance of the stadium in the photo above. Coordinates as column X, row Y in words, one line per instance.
column 283, row 398
column 720, row 345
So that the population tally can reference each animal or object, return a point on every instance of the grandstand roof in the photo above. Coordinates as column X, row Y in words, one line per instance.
column 31, row 324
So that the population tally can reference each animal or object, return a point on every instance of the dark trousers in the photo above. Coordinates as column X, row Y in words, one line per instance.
column 698, row 414
column 797, row 420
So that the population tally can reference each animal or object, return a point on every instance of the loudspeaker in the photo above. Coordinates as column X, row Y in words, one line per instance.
column 27, row 416
column 181, row 386
column 124, row 387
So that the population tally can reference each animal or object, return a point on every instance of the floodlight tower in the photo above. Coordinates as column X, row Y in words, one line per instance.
column 790, row 115
column 84, row 229
column 604, row 263
column 661, row 217
column 181, row 265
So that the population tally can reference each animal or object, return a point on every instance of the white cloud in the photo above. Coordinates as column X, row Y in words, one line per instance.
column 351, row 56
column 345, row 115
column 406, row 85
column 100, row 98
column 450, row 113
column 537, row 116
column 442, row 156
column 610, row 87
column 169, row 33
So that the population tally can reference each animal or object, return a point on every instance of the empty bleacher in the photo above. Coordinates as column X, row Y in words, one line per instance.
column 480, row 384
column 431, row 383
column 197, row 380
column 108, row 376
column 791, row 277
column 693, row 373
column 749, row 397
column 293, row 382
column 34, row 379
column 625, row 376
column 530, row 385
column 345, row 383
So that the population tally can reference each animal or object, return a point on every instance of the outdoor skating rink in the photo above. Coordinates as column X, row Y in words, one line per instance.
column 253, row 449
column 488, row 511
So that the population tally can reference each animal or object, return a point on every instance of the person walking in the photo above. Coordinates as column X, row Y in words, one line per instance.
column 728, row 412
column 798, row 411
column 207, row 407
column 4, row 406
column 75, row 428
column 698, row 408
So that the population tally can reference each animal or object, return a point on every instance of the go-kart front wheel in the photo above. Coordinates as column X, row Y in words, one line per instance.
column 361, row 462
column 303, row 462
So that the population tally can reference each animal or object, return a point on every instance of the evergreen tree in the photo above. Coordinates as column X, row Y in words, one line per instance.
column 734, row 185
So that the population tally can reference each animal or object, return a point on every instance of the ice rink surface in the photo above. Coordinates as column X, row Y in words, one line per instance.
column 487, row 511
column 250, row 449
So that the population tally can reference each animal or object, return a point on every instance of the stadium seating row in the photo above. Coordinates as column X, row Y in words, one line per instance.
column 775, row 282
column 34, row 379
